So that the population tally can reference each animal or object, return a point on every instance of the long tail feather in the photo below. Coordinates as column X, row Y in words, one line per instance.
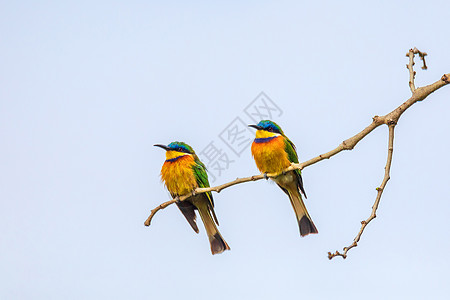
column 305, row 223
column 218, row 244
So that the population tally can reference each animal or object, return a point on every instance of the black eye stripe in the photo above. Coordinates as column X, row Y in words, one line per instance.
column 179, row 149
column 271, row 129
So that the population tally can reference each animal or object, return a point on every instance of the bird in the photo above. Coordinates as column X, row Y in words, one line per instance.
column 273, row 152
column 183, row 172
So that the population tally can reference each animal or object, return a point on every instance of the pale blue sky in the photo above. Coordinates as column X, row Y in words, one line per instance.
column 88, row 87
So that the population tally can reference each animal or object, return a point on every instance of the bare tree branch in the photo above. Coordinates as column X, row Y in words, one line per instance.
column 380, row 190
column 204, row 190
column 390, row 119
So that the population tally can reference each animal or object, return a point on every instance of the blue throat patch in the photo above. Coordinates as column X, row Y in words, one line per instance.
column 174, row 159
column 264, row 140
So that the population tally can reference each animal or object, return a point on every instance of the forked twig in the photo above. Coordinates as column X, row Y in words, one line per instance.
column 411, row 64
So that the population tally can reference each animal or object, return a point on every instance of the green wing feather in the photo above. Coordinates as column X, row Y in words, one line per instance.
column 202, row 180
column 293, row 158
column 290, row 150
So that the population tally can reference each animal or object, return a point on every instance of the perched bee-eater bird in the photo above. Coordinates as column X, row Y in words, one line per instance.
column 181, row 173
column 273, row 152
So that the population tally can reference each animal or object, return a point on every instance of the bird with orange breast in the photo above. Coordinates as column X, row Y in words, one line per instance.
column 183, row 172
column 273, row 152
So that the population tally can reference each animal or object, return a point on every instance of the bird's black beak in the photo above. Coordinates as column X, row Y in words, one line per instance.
column 255, row 126
column 162, row 146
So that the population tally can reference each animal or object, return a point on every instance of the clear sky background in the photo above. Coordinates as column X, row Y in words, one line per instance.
column 87, row 87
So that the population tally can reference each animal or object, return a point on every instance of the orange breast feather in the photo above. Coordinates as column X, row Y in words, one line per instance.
column 178, row 175
column 270, row 157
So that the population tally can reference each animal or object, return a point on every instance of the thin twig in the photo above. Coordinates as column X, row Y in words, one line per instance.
column 380, row 190
column 410, row 67
column 411, row 64
column 422, row 57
